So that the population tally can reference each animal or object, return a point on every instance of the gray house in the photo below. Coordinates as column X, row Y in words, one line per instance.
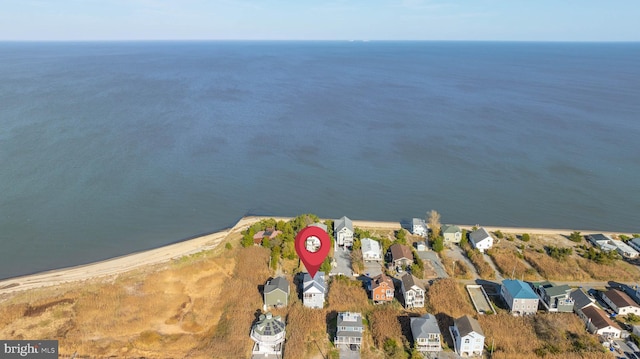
column 426, row 333
column 451, row 234
column 581, row 300
column 269, row 335
column 412, row 292
column 519, row 296
column 468, row 338
column 343, row 232
column 349, row 329
column 276, row 293
column 313, row 290
column 555, row 298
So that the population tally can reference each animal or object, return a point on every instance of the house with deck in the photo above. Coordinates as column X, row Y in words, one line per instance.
column 426, row 334
column 451, row 234
column 555, row 298
column 276, row 293
column 468, row 337
column 349, row 330
column 313, row 290
column 419, row 227
column 620, row 302
column 598, row 322
column 412, row 292
column 519, row 296
column 268, row 334
column 266, row 234
column 371, row 250
column 481, row 240
column 343, row 232
column 401, row 255
column 382, row 289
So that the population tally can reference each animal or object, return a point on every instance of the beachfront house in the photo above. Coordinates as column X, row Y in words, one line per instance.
column 468, row 337
column 343, row 232
column 519, row 296
column 426, row 333
column 451, row 234
column 635, row 243
column 625, row 250
column 276, row 293
column 581, row 300
column 401, row 255
column 620, row 302
column 371, row 250
column 382, row 289
column 598, row 322
column 268, row 334
column 419, row 227
column 555, row 298
column 266, row 234
column 412, row 292
column 481, row 239
column 313, row 290
column 602, row 241
column 349, row 330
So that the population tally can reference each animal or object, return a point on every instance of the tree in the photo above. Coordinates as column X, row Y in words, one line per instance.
column 326, row 265
column 525, row 237
column 289, row 250
column 464, row 240
column 247, row 237
column 434, row 222
column 401, row 235
column 438, row 244
column 575, row 236
column 499, row 234
column 275, row 257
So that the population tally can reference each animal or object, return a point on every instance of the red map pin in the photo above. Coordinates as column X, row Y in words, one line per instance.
column 312, row 245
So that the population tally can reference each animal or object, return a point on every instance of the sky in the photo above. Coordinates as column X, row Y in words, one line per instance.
column 486, row 20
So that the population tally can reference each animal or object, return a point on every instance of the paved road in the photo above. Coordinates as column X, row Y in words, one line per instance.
column 432, row 257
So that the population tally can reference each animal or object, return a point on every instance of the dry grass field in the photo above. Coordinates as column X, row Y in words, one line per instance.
column 553, row 269
column 511, row 266
column 482, row 267
column 461, row 269
column 617, row 271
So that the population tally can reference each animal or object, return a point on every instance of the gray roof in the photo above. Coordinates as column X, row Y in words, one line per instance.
column 466, row 325
column 421, row 327
column 350, row 319
column 269, row 325
column 478, row 235
column 450, row 228
column 277, row 283
column 419, row 222
column 341, row 223
column 317, row 282
column 598, row 237
column 580, row 299
column 556, row 290
column 409, row 281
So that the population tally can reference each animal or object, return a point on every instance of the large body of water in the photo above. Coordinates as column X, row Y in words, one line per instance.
column 110, row 148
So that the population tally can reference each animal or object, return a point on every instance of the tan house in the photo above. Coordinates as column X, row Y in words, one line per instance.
column 451, row 234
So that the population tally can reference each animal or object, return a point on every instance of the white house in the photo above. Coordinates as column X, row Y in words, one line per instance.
column 268, row 334
column 313, row 290
column 371, row 250
column 343, row 232
column 468, row 338
column 426, row 333
column 412, row 292
column 620, row 302
column 481, row 239
column 625, row 250
column 419, row 227
column 598, row 322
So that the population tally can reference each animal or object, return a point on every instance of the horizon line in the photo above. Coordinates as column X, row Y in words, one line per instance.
column 306, row 40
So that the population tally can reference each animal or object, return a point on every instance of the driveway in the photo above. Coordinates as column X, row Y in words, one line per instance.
column 493, row 265
column 372, row 269
column 433, row 258
column 456, row 254
column 346, row 353
column 342, row 258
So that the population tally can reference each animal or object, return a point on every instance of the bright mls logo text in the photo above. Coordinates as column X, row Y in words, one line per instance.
column 44, row 349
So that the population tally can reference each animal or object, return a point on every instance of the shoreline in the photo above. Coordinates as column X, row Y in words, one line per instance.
column 129, row 262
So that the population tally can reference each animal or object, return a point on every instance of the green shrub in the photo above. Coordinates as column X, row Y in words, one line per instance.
column 228, row 246
column 525, row 237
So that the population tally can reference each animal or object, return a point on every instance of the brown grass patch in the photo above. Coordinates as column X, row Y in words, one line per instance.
column 347, row 295
column 485, row 271
column 618, row 270
column 552, row 269
column 510, row 265
column 460, row 268
column 552, row 335
column 448, row 297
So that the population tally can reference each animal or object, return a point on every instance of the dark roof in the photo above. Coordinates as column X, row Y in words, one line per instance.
column 598, row 237
column 620, row 299
column 349, row 319
column 409, row 281
column 382, row 278
column 269, row 325
column 478, row 235
column 580, row 299
column 277, row 283
column 598, row 317
column 399, row 251
column 556, row 290
column 466, row 325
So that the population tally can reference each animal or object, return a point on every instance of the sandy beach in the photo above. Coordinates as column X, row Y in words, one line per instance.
column 118, row 265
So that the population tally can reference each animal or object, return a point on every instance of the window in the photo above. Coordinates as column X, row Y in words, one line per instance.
column 466, row 341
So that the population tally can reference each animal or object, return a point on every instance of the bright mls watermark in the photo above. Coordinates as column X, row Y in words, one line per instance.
column 40, row 349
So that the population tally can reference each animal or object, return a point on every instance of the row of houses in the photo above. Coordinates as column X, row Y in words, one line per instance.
column 607, row 244
column 468, row 337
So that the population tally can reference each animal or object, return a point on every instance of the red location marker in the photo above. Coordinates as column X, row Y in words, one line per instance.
column 312, row 245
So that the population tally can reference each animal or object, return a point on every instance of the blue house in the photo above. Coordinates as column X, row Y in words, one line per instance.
column 519, row 296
